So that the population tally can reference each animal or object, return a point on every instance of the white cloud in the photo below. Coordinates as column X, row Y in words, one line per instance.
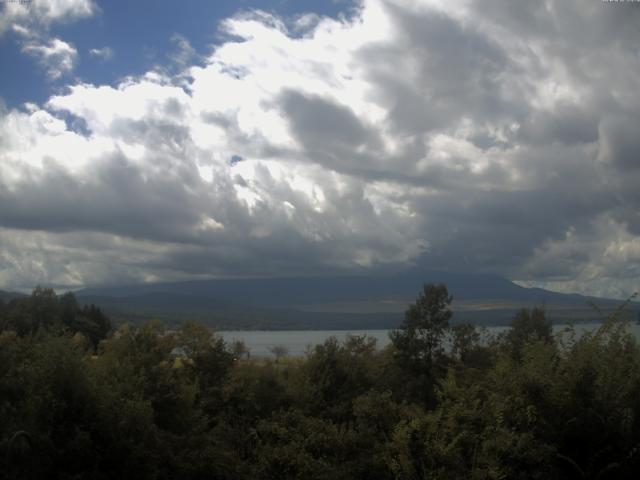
column 31, row 20
column 414, row 132
column 22, row 31
column 39, row 14
column 184, row 52
column 56, row 56
column 104, row 53
column 603, row 260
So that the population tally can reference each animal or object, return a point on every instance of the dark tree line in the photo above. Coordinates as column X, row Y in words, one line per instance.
column 80, row 400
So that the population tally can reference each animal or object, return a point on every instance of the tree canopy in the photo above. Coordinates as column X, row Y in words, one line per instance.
column 147, row 401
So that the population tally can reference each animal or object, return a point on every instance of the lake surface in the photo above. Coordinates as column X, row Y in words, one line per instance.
column 298, row 342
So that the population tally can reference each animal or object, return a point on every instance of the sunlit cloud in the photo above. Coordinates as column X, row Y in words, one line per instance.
column 450, row 137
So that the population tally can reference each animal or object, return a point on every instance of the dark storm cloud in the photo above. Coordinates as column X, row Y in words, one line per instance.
column 520, row 221
column 319, row 123
column 436, row 71
column 620, row 142
column 567, row 124
column 120, row 198
column 334, row 137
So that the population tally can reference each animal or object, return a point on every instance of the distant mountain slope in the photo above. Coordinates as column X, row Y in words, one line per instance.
column 7, row 296
column 317, row 290
column 330, row 302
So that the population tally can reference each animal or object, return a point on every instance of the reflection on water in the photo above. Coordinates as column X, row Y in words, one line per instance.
column 297, row 342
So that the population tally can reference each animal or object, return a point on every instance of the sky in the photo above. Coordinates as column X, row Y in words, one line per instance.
column 162, row 141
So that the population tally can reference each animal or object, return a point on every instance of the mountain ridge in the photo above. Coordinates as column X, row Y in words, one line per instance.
column 302, row 290
column 331, row 302
column 309, row 302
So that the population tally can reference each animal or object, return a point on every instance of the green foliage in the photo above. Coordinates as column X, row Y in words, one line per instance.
column 439, row 403
column 528, row 325
column 336, row 373
column 44, row 310
column 279, row 351
column 254, row 392
column 418, row 343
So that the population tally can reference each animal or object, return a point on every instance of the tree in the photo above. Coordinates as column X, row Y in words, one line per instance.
column 91, row 322
column 239, row 349
column 335, row 373
column 529, row 325
column 279, row 351
column 418, row 342
column 466, row 346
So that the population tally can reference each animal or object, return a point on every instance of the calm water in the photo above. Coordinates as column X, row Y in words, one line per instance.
column 298, row 341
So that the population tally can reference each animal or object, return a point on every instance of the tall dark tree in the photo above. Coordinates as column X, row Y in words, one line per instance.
column 91, row 322
column 418, row 343
column 419, row 339
column 526, row 326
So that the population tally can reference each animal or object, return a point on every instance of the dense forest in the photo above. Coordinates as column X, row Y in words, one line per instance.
column 82, row 399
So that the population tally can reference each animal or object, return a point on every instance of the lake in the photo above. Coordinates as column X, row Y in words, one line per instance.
column 260, row 342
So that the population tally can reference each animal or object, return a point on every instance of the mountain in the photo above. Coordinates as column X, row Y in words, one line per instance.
column 317, row 290
column 8, row 296
column 347, row 302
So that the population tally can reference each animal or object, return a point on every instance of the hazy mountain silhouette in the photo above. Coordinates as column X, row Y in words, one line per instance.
column 331, row 302
column 7, row 296
column 313, row 290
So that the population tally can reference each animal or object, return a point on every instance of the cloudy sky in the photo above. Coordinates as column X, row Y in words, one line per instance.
column 146, row 141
